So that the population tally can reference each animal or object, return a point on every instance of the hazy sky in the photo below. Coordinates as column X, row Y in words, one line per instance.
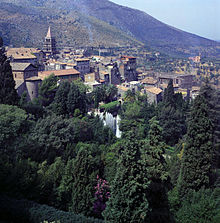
column 200, row 17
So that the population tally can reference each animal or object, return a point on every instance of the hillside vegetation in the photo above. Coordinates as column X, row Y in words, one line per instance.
column 95, row 22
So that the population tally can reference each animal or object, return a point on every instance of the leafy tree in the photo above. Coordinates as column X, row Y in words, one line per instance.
column 86, row 168
column 172, row 115
column 76, row 99
column 197, row 157
column 132, row 120
column 49, row 138
column 169, row 95
column 173, row 123
column 12, row 123
column 212, row 99
column 130, row 96
column 128, row 202
column 111, row 92
column 8, row 94
column 59, row 105
column 199, row 207
column 157, row 175
column 49, row 180
column 65, row 189
column 47, row 90
column 105, row 93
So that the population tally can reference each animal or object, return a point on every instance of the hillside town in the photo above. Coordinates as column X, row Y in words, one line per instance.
column 107, row 114
column 31, row 65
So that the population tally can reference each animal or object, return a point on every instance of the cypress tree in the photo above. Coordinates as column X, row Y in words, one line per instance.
column 197, row 157
column 8, row 94
column 213, row 102
column 128, row 201
column 172, row 115
column 85, row 171
column 47, row 90
column 169, row 94
column 60, row 101
column 157, row 175
column 76, row 99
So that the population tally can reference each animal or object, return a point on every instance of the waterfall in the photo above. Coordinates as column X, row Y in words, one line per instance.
column 110, row 121
column 118, row 131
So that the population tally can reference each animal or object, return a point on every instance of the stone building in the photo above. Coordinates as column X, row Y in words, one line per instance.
column 114, row 74
column 154, row 95
column 83, row 66
column 179, row 80
column 22, row 71
column 149, row 82
column 128, row 68
column 26, row 79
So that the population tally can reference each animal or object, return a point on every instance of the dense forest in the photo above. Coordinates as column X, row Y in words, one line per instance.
column 59, row 163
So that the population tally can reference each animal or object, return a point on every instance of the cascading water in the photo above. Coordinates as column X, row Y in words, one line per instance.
column 110, row 121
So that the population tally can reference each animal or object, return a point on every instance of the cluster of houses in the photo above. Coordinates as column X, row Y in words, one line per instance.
column 30, row 66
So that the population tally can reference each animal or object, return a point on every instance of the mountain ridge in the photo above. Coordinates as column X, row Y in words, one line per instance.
column 132, row 26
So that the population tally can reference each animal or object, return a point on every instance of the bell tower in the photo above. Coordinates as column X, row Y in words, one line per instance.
column 50, row 44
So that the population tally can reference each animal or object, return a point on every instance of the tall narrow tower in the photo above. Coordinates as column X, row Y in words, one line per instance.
column 50, row 44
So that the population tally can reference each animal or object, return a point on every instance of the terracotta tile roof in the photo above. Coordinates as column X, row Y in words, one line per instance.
column 154, row 90
column 81, row 60
column 58, row 72
column 22, row 53
column 149, row 80
column 127, row 57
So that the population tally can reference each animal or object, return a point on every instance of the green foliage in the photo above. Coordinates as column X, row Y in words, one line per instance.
column 157, row 175
column 199, row 207
column 49, row 177
column 135, row 117
column 130, row 96
column 86, row 167
column 197, row 157
column 27, row 211
column 104, row 93
column 12, row 123
column 173, row 123
column 128, row 202
column 49, row 138
column 174, row 162
column 169, row 95
column 77, row 99
column 8, row 94
column 59, row 105
column 172, row 115
column 111, row 157
column 111, row 107
column 47, row 90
